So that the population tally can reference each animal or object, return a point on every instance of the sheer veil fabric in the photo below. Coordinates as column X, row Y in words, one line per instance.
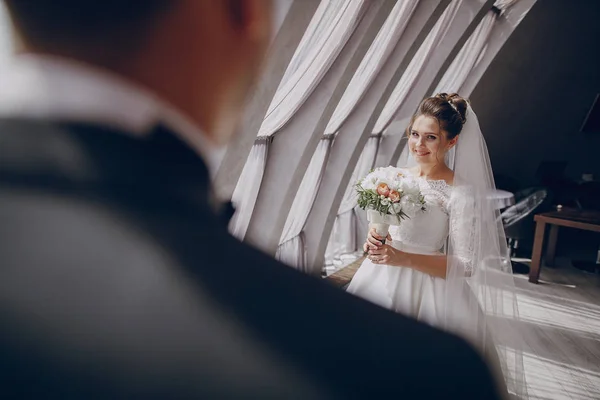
column 479, row 268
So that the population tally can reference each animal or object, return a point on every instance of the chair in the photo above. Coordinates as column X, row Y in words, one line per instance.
column 519, row 224
column 524, row 193
column 589, row 196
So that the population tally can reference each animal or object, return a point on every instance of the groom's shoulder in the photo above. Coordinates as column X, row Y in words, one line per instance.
column 375, row 343
column 331, row 304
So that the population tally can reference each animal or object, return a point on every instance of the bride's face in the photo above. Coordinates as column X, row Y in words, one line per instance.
column 427, row 142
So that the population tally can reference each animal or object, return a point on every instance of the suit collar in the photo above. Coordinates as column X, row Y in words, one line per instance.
column 99, row 155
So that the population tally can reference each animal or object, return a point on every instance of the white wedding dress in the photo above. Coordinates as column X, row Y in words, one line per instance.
column 414, row 293
column 406, row 290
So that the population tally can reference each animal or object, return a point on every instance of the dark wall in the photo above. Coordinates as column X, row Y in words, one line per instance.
column 534, row 97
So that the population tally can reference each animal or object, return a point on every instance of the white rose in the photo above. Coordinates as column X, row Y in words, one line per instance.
column 410, row 188
column 395, row 185
column 409, row 204
column 367, row 184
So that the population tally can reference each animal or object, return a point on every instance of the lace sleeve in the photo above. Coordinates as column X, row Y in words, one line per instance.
column 463, row 229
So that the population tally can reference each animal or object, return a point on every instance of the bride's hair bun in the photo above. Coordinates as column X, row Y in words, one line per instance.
column 457, row 102
column 449, row 109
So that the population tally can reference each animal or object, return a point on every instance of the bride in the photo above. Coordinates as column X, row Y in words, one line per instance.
column 446, row 266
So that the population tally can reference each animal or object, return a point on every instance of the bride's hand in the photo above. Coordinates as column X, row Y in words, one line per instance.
column 374, row 240
column 387, row 255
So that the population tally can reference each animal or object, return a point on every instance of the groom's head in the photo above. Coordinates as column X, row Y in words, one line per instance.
column 201, row 55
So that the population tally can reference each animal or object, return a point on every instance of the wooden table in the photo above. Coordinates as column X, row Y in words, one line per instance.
column 570, row 218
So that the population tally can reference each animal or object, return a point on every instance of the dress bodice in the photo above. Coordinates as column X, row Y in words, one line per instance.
column 427, row 230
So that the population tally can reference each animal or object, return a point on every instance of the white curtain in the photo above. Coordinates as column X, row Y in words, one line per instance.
column 292, row 250
column 246, row 191
column 374, row 59
column 413, row 71
column 291, row 245
column 504, row 5
column 331, row 27
column 458, row 72
column 343, row 236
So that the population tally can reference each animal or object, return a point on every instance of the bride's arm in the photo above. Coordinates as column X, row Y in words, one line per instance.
column 434, row 265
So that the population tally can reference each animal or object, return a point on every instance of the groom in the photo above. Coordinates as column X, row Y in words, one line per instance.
column 118, row 278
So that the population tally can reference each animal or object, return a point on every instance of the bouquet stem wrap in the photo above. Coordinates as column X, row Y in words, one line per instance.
column 381, row 222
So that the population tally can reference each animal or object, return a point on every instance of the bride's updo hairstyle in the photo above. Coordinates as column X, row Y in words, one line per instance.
column 448, row 109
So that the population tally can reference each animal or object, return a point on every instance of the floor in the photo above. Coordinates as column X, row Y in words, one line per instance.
column 562, row 313
column 341, row 263
column 561, row 320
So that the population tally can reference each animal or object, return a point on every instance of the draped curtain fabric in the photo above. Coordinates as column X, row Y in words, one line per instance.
column 464, row 62
column 374, row 59
column 323, row 41
column 343, row 236
column 291, row 245
column 330, row 28
column 458, row 72
column 504, row 5
column 246, row 191
column 417, row 64
column 291, row 249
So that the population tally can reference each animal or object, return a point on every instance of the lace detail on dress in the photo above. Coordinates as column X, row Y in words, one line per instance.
column 463, row 228
column 437, row 192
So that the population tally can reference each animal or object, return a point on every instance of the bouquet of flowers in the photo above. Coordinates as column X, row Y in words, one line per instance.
column 389, row 196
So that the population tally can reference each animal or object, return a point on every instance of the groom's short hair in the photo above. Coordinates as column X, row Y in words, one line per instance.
column 72, row 24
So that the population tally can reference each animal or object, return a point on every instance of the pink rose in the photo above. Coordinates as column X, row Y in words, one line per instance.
column 394, row 196
column 383, row 189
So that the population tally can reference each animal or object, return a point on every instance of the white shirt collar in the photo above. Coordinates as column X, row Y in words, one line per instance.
column 45, row 87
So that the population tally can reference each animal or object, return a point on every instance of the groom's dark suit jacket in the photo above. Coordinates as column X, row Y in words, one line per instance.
column 119, row 280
